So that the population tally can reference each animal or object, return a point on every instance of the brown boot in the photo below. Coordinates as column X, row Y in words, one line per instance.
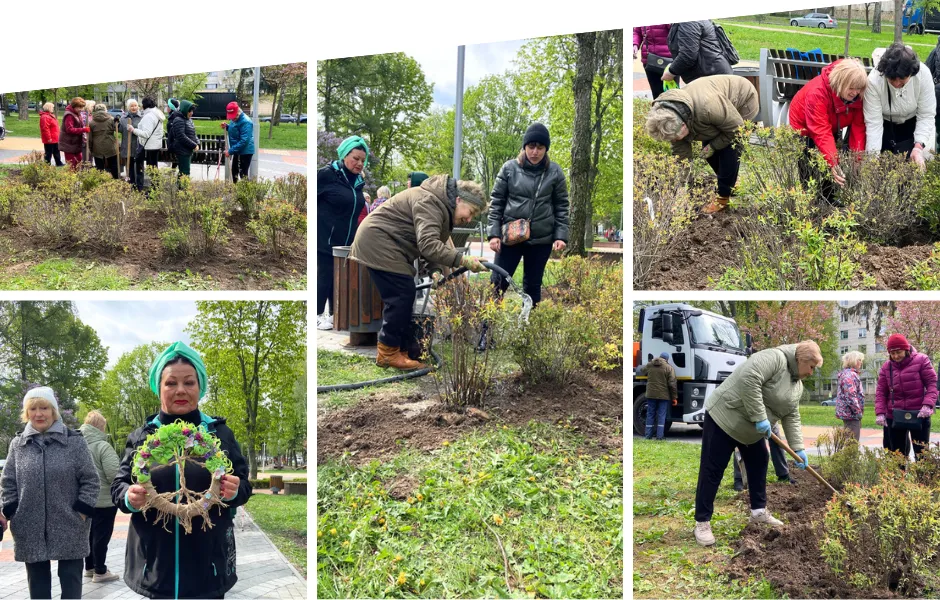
column 405, row 356
column 719, row 203
column 391, row 357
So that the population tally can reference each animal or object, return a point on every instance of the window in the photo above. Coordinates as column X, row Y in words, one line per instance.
column 843, row 350
column 862, row 333
column 879, row 347
column 844, row 334
column 212, row 86
column 678, row 338
column 843, row 318
column 827, row 386
column 844, row 303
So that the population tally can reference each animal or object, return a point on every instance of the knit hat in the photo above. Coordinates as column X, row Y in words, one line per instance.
column 470, row 192
column 231, row 110
column 45, row 393
column 178, row 349
column 350, row 144
column 898, row 342
column 537, row 133
column 416, row 177
column 664, row 355
column 186, row 106
column 173, row 104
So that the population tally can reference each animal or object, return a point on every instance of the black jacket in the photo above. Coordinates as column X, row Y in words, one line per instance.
column 696, row 51
column 339, row 204
column 512, row 198
column 205, row 559
column 183, row 135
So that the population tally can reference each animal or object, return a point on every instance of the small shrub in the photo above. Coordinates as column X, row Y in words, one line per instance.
column 54, row 210
column 925, row 274
column 249, row 195
column 846, row 464
column 292, row 188
column 196, row 220
column 12, row 196
column 36, row 173
column 35, row 157
column 276, row 222
column 885, row 194
column 163, row 195
column 92, row 178
column 260, row 484
column 930, row 197
column 554, row 344
column 110, row 209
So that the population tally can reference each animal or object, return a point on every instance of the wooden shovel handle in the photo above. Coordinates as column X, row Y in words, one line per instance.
column 790, row 451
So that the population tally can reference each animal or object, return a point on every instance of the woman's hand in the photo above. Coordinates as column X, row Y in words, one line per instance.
column 881, row 421
column 83, row 516
column 667, row 76
column 635, row 49
column 230, row 487
column 494, row 244
column 136, row 496
column 3, row 523
column 838, row 176
column 559, row 245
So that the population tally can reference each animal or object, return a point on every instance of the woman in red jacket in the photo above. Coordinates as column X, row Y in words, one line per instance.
column 830, row 102
column 652, row 39
column 72, row 133
column 905, row 397
column 49, row 131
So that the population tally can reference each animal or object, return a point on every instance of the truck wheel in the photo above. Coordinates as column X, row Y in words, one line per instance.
column 639, row 415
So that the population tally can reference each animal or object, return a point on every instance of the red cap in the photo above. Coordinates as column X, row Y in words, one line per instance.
column 898, row 342
column 231, row 110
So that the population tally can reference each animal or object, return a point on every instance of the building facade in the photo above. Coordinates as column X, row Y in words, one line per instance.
column 855, row 335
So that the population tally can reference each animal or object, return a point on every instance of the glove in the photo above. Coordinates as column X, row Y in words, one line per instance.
column 917, row 155
column 925, row 412
column 881, row 421
column 707, row 151
column 763, row 427
column 802, row 455
column 472, row 263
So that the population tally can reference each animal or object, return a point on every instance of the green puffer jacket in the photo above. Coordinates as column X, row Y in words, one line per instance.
column 106, row 461
column 766, row 386
column 661, row 384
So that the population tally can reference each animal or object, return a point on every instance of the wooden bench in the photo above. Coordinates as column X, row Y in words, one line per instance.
column 295, row 488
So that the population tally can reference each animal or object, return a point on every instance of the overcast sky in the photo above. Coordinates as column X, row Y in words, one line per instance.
column 121, row 326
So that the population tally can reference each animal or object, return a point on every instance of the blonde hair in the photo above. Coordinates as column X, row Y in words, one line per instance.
column 89, row 105
column 663, row 124
column 808, row 351
column 96, row 419
column 48, row 107
column 847, row 74
column 852, row 358
column 383, row 192
column 37, row 402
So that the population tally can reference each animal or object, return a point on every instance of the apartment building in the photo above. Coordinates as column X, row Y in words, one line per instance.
column 854, row 335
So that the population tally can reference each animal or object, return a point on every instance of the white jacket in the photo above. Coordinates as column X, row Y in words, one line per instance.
column 150, row 129
column 915, row 98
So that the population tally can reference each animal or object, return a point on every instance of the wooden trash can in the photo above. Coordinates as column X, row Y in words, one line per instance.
column 277, row 481
column 357, row 305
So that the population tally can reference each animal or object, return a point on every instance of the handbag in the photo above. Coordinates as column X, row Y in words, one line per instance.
column 520, row 230
column 141, row 151
column 902, row 419
column 655, row 62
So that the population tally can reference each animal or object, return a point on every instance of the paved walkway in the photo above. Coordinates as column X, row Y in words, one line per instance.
column 263, row 572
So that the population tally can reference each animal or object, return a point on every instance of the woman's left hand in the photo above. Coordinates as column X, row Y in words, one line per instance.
column 667, row 76
column 230, row 486
column 559, row 245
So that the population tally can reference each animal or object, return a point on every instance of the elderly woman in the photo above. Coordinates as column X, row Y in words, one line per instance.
column 126, row 125
column 652, row 40
column 183, row 140
column 905, row 397
column 103, row 145
column 850, row 398
column 49, row 132
column 102, row 523
column 900, row 106
column 50, row 487
column 149, row 132
column 821, row 109
column 340, row 201
column 709, row 110
column 740, row 414
column 241, row 140
column 72, row 133
column 165, row 562
column 415, row 223
column 381, row 195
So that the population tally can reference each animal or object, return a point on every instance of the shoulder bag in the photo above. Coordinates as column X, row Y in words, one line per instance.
column 520, row 230
column 902, row 419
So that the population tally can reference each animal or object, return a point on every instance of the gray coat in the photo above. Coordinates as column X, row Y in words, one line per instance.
column 512, row 199
column 48, row 479
column 134, row 120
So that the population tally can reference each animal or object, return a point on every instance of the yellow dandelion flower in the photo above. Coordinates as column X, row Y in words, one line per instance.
column 420, row 497
column 319, row 533
column 497, row 519
column 445, row 443
column 402, row 578
column 333, row 531
column 398, row 557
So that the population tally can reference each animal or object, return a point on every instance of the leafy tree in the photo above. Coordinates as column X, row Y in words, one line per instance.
column 435, row 152
column 919, row 322
column 278, row 79
column 870, row 312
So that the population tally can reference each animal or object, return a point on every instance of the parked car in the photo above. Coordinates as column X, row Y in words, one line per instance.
column 3, row 131
column 285, row 118
column 829, row 401
column 303, row 118
column 13, row 107
column 117, row 113
column 820, row 20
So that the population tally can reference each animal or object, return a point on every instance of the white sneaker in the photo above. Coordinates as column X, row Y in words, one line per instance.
column 89, row 573
column 104, row 577
column 765, row 517
column 703, row 533
column 325, row 322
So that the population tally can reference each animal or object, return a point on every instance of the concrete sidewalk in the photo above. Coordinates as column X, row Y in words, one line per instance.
column 263, row 572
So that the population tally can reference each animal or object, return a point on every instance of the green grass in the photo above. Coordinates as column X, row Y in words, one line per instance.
column 667, row 563
column 284, row 520
column 557, row 513
column 287, row 136
column 825, row 416
column 66, row 274
column 339, row 367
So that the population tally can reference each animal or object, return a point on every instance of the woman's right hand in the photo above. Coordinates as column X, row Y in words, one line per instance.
column 837, row 175
column 136, row 496
column 494, row 244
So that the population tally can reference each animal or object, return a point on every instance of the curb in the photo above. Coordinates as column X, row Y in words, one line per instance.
column 273, row 545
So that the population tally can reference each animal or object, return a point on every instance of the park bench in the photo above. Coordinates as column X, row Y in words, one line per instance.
column 783, row 73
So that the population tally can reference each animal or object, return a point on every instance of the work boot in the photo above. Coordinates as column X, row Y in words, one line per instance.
column 739, row 486
column 718, row 204
column 388, row 356
column 787, row 479
column 703, row 533
column 405, row 356
column 763, row 516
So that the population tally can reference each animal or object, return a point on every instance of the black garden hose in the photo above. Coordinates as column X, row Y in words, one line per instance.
column 400, row 377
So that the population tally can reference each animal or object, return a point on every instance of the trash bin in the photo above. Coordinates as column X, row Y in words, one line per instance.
column 357, row 305
column 752, row 74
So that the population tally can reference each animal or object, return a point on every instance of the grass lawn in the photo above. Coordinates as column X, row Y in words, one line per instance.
column 284, row 520
column 667, row 563
column 287, row 136
column 826, row 416
column 557, row 513
column 338, row 367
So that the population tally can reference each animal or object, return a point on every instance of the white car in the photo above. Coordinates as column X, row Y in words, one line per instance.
column 820, row 20
column 3, row 130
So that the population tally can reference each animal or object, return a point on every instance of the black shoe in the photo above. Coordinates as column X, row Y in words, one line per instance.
column 787, row 479
column 738, row 486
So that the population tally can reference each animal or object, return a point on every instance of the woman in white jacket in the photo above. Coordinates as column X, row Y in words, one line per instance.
column 150, row 131
column 900, row 106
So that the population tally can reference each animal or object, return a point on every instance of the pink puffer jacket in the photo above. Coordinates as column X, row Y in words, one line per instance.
column 655, row 40
column 914, row 382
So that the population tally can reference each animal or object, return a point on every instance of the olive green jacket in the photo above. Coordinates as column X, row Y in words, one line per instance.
column 766, row 386
column 661, row 383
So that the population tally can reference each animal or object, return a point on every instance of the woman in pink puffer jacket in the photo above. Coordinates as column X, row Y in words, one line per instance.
column 906, row 382
column 652, row 39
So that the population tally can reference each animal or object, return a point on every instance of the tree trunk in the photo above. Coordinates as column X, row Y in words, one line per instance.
column 581, row 143
column 240, row 88
column 876, row 19
column 300, row 101
column 273, row 116
column 848, row 30
column 4, row 105
column 867, row 22
column 898, row 20
column 22, row 102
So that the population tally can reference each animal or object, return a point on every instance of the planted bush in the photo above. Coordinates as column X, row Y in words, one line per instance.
column 92, row 178
column 293, row 189
column 54, row 210
column 164, row 189
column 249, row 195
column 554, row 344
column 110, row 209
column 12, row 197
column 277, row 222
column 847, row 465
column 36, row 173
column 925, row 274
column 885, row 192
column 196, row 221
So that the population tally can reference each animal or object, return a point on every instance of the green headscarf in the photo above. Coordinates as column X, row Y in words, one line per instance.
column 178, row 349
column 350, row 144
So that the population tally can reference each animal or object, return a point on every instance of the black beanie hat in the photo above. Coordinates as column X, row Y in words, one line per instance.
column 416, row 177
column 537, row 133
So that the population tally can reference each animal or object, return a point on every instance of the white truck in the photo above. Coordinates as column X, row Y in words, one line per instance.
column 704, row 348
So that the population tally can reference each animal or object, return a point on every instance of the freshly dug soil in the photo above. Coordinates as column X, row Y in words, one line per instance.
column 374, row 427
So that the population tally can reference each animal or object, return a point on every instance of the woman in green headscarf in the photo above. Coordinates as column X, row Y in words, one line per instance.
column 167, row 562
column 339, row 202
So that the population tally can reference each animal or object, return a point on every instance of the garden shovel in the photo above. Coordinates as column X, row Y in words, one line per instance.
column 784, row 445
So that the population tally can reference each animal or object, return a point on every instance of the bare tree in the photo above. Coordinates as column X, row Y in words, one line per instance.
column 876, row 19
column 22, row 103
column 848, row 29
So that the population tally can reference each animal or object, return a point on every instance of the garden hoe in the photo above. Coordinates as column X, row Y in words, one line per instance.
column 740, row 460
column 784, row 445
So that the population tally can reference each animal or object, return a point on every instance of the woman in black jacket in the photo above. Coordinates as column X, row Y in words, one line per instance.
column 183, row 138
column 531, row 187
column 339, row 202
column 696, row 52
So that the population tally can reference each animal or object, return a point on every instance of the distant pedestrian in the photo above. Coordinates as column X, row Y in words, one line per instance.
column 850, row 398
column 661, row 392
column 241, row 140
column 415, row 178
column 150, row 131
column 905, row 397
column 654, row 40
column 365, row 209
column 73, row 131
column 381, row 195
column 103, row 144
column 696, row 52
column 107, row 464
column 49, row 131
column 184, row 140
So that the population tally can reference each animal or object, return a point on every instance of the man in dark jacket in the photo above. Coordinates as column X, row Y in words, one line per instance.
column 661, row 391
column 696, row 52
column 183, row 136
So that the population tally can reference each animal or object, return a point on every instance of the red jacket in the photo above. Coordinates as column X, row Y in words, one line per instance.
column 655, row 40
column 362, row 215
column 816, row 111
column 914, row 382
column 48, row 128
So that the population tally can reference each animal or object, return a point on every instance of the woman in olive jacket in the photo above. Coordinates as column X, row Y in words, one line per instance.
column 529, row 187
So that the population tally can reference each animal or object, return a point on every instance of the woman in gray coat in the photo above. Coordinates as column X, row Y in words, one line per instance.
column 49, row 522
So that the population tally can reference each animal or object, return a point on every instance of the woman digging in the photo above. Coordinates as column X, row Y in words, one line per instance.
column 740, row 414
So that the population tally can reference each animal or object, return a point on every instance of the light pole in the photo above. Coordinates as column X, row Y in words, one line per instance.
column 458, row 116
column 253, row 169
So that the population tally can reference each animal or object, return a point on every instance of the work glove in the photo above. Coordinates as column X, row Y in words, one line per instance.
column 925, row 412
column 917, row 156
column 472, row 263
column 802, row 455
column 763, row 427
column 881, row 421
column 707, row 151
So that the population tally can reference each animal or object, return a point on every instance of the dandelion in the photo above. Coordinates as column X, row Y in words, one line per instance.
column 445, row 443
column 410, row 500
column 420, row 583
column 420, row 497
column 333, row 531
column 381, row 520
column 497, row 519
column 319, row 534
column 398, row 557
column 346, row 544
column 532, row 478
column 402, row 578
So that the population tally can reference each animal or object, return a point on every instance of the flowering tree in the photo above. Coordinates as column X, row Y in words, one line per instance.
column 327, row 145
column 919, row 322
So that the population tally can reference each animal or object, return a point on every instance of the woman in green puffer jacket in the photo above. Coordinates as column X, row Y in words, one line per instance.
column 102, row 522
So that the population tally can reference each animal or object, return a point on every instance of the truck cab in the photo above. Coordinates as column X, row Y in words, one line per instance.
column 704, row 349
column 916, row 21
